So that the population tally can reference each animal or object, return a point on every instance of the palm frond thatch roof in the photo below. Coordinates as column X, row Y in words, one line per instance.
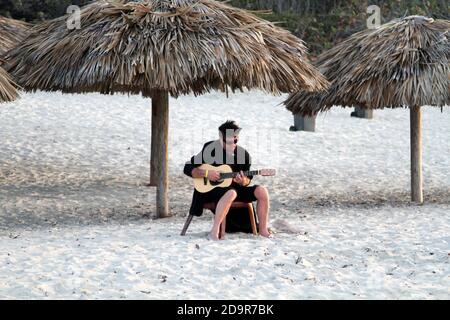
column 180, row 46
column 403, row 63
column 12, row 32
column 8, row 90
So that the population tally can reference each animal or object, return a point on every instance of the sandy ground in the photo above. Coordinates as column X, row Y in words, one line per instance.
column 76, row 219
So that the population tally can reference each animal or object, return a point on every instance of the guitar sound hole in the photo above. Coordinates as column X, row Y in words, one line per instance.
column 215, row 183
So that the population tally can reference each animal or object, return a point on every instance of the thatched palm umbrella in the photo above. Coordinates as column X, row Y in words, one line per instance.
column 162, row 47
column 404, row 63
column 12, row 32
column 8, row 90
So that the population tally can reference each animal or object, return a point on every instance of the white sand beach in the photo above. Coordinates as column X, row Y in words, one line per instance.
column 77, row 220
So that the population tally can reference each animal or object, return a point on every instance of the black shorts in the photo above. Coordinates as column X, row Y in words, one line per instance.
column 244, row 194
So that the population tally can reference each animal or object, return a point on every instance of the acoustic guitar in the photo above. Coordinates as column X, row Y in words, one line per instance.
column 204, row 185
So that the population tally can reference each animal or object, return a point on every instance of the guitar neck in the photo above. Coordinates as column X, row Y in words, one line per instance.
column 230, row 175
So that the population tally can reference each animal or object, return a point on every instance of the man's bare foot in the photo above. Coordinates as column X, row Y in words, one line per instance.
column 213, row 236
column 266, row 234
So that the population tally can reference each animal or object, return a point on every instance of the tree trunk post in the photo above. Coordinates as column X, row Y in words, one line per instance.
column 416, row 155
column 154, row 145
column 304, row 123
column 161, row 103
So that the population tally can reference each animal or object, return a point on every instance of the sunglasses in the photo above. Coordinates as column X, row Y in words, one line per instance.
column 235, row 141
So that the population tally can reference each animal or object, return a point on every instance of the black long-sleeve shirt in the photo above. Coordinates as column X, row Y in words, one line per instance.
column 240, row 160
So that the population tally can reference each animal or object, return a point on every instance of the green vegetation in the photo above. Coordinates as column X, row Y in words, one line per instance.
column 323, row 23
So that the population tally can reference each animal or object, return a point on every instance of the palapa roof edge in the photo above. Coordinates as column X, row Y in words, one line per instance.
column 12, row 32
column 8, row 89
column 136, row 47
column 401, row 64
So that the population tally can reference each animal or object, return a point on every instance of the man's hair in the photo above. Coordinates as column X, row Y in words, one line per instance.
column 227, row 126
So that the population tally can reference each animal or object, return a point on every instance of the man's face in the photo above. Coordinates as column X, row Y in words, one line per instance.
column 229, row 142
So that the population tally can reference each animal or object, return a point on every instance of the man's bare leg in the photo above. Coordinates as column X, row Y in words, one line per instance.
column 223, row 227
column 262, row 208
column 222, row 208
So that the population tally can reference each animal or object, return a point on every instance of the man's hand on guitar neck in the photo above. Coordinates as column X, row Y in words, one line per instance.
column 242, row 179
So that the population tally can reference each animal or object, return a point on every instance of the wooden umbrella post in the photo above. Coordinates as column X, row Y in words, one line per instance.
column 416, row 155
column 161, row 104
column 154, row 150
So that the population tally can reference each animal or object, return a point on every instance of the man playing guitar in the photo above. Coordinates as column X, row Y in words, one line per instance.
column 226, row 151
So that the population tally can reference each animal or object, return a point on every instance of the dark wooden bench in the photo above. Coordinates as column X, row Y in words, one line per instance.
column 212, row 206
